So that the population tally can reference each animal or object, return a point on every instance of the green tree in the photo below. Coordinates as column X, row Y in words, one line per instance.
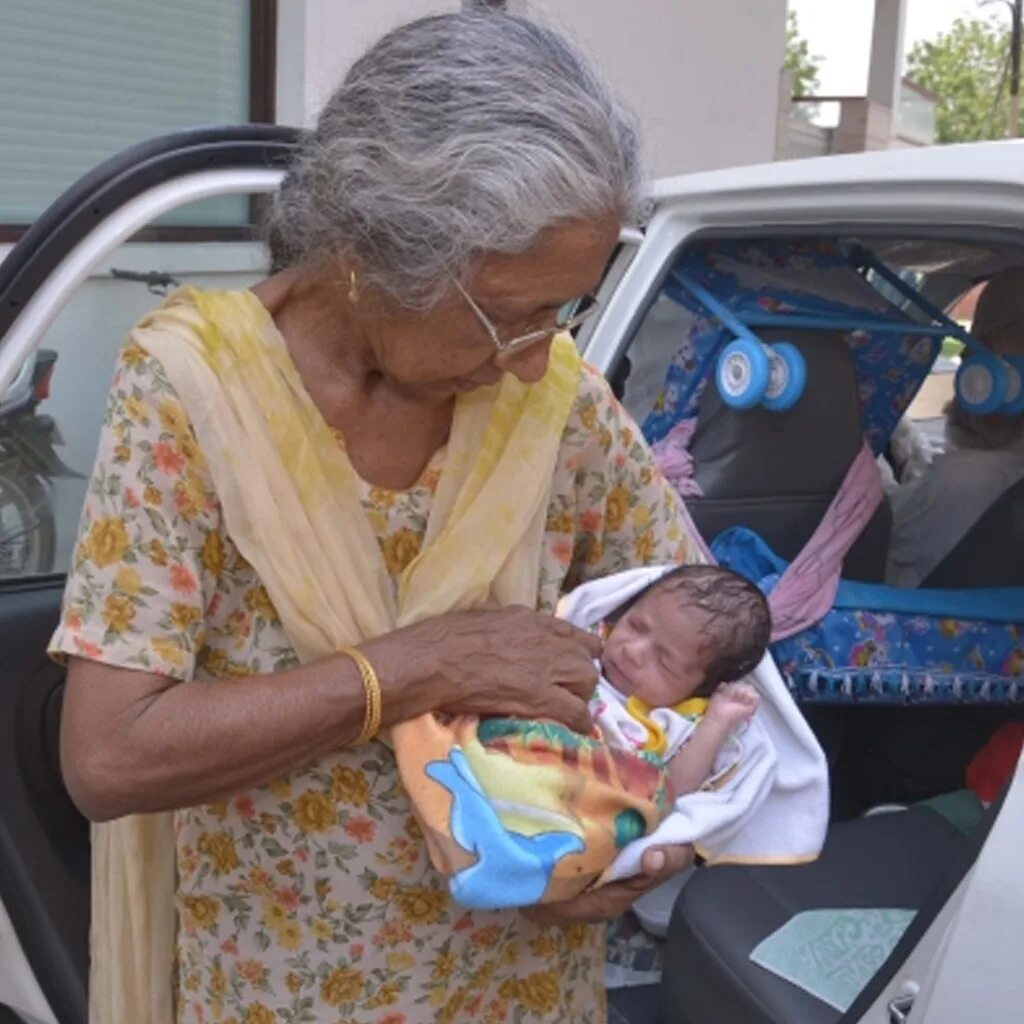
column 967, row 69
column 799, row 60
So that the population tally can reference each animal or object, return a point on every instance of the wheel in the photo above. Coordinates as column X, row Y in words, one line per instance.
column 28, row 534
column 1014, row 403
column 787, row 377
column 981, row 383
column 742, row 373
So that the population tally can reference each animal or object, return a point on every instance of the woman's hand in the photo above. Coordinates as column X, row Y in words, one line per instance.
column 514, row 661
column 610, row 901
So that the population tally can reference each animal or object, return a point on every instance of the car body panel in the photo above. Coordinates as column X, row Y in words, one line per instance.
column 977, row 187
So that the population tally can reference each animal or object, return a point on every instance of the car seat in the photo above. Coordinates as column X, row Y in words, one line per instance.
column 909, row 859
column 991, row 553
column 777, row 472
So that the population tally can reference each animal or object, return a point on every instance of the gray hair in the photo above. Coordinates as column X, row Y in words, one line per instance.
column 454, row 136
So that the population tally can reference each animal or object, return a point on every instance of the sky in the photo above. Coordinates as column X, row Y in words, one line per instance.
column 839, row 31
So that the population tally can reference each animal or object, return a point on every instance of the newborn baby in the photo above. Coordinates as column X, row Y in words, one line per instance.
column 538, row 813
column 669, row 671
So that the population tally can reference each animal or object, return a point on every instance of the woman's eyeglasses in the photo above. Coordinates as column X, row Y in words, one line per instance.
column 570, row 316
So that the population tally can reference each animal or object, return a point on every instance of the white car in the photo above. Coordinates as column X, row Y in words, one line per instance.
column 942, row 218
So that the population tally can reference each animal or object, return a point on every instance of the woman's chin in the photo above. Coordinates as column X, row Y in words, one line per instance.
column 438, row 391
column 463, row 385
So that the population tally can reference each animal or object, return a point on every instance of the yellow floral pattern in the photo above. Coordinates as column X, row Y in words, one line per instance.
column 312, row 898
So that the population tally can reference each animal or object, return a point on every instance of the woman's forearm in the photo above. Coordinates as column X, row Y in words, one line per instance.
column 135, row 741
column 162, row 744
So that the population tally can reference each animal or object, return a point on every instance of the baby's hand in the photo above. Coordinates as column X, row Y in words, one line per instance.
column 732, row 704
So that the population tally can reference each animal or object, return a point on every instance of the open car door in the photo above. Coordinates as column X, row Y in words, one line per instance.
column 69, row 291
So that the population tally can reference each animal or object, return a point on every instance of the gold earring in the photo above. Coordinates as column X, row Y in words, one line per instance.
column 353, row 291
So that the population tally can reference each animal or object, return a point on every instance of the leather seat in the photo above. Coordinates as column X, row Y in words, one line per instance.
column 991, row 554
column 905, row 860
column 777, row 472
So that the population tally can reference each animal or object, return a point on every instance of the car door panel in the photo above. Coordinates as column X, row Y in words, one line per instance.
column 84, row 241
column 44, row 851
column 91, row 200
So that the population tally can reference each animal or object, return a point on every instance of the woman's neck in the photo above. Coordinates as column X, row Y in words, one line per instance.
column 390, row 437
column 315, row 318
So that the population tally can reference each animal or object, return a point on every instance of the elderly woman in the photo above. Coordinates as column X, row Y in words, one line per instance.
column 398, row 374
column 984, row 454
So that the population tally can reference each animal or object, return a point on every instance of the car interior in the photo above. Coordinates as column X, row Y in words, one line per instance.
column 774, row 472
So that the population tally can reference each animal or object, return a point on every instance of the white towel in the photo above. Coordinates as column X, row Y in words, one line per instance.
column 773, row 809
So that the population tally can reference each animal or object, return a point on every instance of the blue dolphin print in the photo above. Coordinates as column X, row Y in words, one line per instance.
column 511, row 870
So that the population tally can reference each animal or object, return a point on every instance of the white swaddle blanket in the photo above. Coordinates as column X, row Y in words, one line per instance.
column 772, row 808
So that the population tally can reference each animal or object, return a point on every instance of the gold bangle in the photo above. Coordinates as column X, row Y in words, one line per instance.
column 371, row 688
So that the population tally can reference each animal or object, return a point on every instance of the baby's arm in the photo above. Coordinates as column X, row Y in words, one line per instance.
column 730, row 704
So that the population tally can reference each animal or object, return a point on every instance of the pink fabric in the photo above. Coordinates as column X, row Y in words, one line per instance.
column 672, row 454
column 808, row 587
column 693, row 532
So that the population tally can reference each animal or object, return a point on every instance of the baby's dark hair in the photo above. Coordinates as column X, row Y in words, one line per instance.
column 738, row 622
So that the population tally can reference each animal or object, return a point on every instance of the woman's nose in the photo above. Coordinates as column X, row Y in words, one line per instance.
column 530, row 364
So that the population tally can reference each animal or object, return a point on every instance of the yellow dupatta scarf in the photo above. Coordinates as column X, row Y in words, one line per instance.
column 291, row 506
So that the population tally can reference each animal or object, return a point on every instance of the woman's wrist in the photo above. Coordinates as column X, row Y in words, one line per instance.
column 408, row 677
column 371, row 695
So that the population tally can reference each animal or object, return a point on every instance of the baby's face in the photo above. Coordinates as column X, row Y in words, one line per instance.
column 653, row 651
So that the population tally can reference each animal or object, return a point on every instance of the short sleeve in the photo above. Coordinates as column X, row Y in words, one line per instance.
column 626, row 513
column 150, row 547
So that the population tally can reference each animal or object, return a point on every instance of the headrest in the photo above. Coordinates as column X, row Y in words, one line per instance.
column 1000, row 305
column 805, row 450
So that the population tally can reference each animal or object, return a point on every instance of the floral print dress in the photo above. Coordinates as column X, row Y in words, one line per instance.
column 312, row 898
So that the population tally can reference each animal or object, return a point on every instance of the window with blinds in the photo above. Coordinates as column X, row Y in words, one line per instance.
column 82, row 81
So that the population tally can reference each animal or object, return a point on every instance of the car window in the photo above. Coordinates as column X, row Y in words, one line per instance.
column 640, row 378
column 50, row 416
column 927, row 411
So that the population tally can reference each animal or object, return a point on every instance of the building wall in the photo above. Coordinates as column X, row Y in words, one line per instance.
column 702, row 74
column 317, row 41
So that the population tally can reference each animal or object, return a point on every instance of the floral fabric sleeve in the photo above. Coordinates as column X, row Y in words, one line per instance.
column 150, row 548
column 625, row 513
